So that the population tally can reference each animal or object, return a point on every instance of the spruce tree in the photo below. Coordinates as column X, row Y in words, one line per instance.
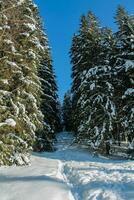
column 81, row 60
column 124, row 66
column 92, row 58
column 98, row 111
column 16, row 127
column 21, row 119
column 67, row 111
column 49, row 97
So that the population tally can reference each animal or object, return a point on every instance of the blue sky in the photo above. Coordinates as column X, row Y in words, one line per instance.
column 61, row 20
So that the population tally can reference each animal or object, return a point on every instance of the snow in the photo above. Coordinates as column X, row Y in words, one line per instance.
column 25, row 34
column 32, row 54
column 4, row 92
column 12, row 64
column 9, row 122
column 21, row 160
column 16, row 109
column 92, row 86
column 129, row 65
column 20, row 2
column 98, row 180
column 8, row 41
column 5, row 81
column 32, row 27
column 43, row 179
column 18, row 138
column 70, row 173
column 128, row 92
column 6, row 27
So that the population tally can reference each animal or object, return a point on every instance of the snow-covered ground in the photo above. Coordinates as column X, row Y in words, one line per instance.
column 70, row 173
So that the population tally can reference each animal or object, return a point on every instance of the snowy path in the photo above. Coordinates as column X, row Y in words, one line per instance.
column 68, row 174
column 101, row 181
column 42, row 180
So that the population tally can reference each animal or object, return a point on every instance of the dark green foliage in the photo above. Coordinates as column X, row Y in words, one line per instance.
column 22, row 123
column 103, row 85
column 20, row 116
column 83, row 55
column 67, row 112
column 91, row 106
column 125, row 73
column 49, row 98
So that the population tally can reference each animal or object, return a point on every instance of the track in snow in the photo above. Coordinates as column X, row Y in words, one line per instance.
column 94, row 178
column 68, row 174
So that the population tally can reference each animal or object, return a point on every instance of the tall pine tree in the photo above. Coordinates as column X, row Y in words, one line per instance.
column 19, row 105
column 21, row 55
column 124, row 66
column 92, row 80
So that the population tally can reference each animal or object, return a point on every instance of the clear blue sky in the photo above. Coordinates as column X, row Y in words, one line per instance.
column 61, row 20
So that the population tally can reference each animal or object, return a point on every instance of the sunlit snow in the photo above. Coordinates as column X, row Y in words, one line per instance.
column 70, row 173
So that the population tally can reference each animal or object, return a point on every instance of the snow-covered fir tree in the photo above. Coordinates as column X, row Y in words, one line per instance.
column 67, row 111
column 124, row 66
column 81, row 61
column 98, row 111
column 103, row 85
column 92, row 76
column 16, row 127
column 49, row 98
column 75, row 59
column 21, row 119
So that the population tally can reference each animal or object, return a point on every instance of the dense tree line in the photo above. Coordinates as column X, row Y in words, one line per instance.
column 100, row 106
column 29, row 108
column 103, row 81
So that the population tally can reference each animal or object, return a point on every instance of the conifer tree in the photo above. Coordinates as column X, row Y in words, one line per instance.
column 124, row 66
column 75, row 60
column 49, row 97
column 21, row 55
column 92, row 59
column 98, row 111
column 81, row 59
column 16, row 125
column 67, row 111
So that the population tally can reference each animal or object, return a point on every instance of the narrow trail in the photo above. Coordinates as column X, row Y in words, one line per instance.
column 43, row 180
column 69, row 173
column 61, row 175
column 62, row 144
column 94, row 178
